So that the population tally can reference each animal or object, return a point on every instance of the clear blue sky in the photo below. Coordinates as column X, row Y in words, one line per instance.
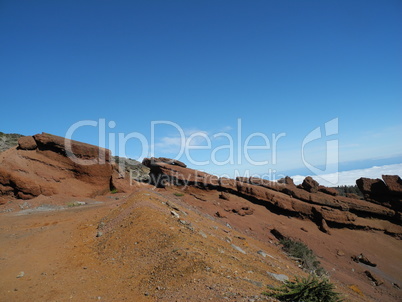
column 280, row 66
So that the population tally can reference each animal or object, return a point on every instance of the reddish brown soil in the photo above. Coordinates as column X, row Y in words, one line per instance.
column 145, row 253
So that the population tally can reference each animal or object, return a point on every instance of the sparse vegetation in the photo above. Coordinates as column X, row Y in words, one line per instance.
column 307, row 258
column 311, row 289
column 114, row 191
column 178, row 194
column 8, row 140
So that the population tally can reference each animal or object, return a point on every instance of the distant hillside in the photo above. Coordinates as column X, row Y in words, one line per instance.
column 8, row 141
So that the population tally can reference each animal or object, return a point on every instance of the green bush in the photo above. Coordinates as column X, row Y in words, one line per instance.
column 311, row 289
column 306, row 256
column 178, row 194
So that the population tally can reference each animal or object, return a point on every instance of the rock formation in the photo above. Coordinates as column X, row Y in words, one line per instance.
column 317, row 203
column 41, row 165
column 190, row 212
column 387, row 192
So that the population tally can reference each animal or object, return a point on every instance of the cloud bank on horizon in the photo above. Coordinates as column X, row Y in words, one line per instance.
column 349, row 177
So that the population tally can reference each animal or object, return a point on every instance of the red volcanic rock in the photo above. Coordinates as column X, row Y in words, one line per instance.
column 371, row 187
column 394, row 184
column 282, row 198
column 374, row 278
column 329, row 191
column 324, row 227
column 74, row 149
column 363, row 259
column 48, row 170
column 287, row 181
column 219, row 215
column 27, row 143
column 352, row 195
column 155, row 160
column 387, row 192
column 244, row 179
column 224, row 196
column 169, row 172
column 336, row 202
column 310, row 185
column 243, row 211
column 273, row 185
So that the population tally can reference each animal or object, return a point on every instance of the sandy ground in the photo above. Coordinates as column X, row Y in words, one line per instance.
column 168, row 245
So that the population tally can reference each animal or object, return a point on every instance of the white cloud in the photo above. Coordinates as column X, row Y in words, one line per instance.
column 173, row 144
column 226, row 129
column 349, row 177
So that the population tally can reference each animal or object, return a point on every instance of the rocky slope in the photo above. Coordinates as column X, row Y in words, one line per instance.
column 185, row 236
column 309, row 201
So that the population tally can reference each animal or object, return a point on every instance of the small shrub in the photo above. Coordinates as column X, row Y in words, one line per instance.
column 114, row 191
column 75, row 204
column 178, row 194
column 301, row 251
column 311, row 289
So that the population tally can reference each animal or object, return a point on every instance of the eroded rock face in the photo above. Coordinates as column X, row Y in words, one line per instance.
column 310, row 185
column 156, row 160
column 332, row 191
column 387, row 192
column 394, row 185
column 46, row 164
column 326, row 209
column 372, row 188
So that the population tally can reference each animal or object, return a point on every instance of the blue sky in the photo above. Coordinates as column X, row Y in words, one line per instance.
column 279, row 66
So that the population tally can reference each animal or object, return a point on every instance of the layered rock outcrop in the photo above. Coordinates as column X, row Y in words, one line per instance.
column 321, row 205
column 47, row 164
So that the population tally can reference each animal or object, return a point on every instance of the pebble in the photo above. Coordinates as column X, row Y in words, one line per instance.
column 279, row 277
column 262, row 253
column 20, row 275
column 203, row 234
column 238, row 248
column 175, row 214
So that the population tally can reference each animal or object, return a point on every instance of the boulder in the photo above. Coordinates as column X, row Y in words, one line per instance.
column 287, row 181
column 224, row 195
column 374, row 278
column 310, row 185
column 387, row 193
column 363, row 259
column 27, row 143
column 394, row 184
column 372, row 188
